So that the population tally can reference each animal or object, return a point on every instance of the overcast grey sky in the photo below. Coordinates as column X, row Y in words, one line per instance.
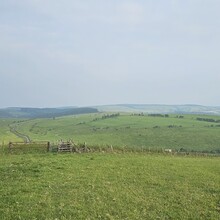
column 89, row 52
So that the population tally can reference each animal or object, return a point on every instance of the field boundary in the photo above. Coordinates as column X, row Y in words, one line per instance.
column 22, row 147
column 48, row 147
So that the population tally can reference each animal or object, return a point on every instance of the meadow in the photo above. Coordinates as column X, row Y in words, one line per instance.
column 130, row 182
column 109, row 186
column 177, row 132
column 5, row 134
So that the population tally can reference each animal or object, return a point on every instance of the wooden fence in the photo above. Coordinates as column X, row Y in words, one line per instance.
column 24, row 147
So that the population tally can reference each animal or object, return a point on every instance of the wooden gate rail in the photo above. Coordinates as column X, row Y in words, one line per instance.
column 12, row 145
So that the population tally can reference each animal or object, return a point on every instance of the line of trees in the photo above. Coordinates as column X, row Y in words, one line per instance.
column 208, row 120
column 159, row 115
column 110, row 116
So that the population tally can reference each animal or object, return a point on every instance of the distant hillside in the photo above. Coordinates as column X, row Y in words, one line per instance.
column 175, row 109
column 15, row 112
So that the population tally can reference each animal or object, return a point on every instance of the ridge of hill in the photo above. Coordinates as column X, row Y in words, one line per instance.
column 16, row 112
column 158, row 108
column 26, row 112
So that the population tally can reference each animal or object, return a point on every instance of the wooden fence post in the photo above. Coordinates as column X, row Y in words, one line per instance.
column 10, row 146
column 112, row 149
column 48, row 146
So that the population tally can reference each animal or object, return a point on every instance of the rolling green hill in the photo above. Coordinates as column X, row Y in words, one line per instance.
column 118, row 185
column 43, row 112
column 170, row 109
column 15, row 112
column 179, row 132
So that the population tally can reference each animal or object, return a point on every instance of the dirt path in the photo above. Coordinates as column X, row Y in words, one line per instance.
column 18, row 134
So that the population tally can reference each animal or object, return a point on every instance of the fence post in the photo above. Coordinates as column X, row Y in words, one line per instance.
column 112, row 149
column 48, row 146
column 10, row 146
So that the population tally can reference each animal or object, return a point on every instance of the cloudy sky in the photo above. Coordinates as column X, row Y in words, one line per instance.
column 92, row 52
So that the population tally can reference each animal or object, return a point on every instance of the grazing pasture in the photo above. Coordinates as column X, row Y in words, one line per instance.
column 109, row 186
column 36, row 184
column 176, row 132
column 5, row 134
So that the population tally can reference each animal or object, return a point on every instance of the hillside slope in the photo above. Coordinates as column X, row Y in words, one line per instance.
column 175, row 109
column 179, row 132
column 15, row 112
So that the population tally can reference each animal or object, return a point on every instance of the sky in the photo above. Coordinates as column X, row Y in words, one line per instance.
column 93, row 52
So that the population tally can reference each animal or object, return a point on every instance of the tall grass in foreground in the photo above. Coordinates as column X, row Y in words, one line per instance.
column 109, row 186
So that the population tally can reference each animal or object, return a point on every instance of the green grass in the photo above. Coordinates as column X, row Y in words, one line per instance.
column 5, row 134
column 129, row 131
column 112, row 185
column 109, row 186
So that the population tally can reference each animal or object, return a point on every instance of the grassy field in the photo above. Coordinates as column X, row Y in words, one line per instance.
column 5, row 134
column 112, row 185
column 125, row 130
column 109, row 186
